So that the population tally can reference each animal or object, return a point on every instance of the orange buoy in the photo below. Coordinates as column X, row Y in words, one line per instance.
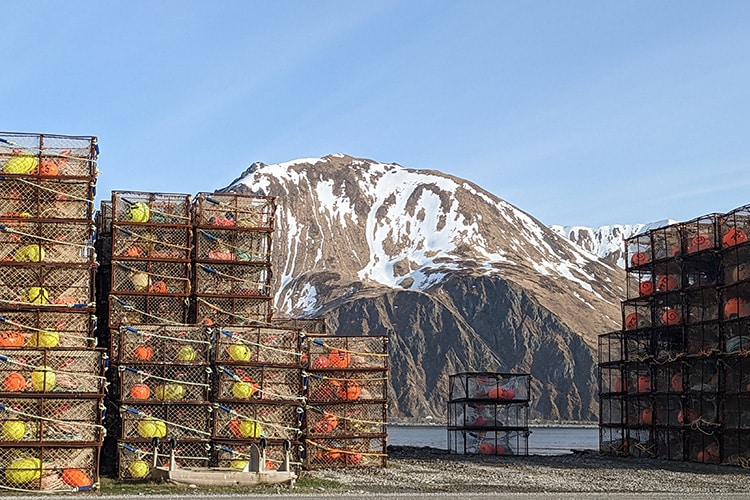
column 647, row 416
column 620, row 386
column 645, row 288
column 635, row 320
column 735, row 308
column 640, row 258
column 12, row 339
column 321, row 362
column 666, row 283
column 671, row 317
column 676, row 382
column 644, row 383
column 349, row 390
column 486, row 448
column 158, row 287
column 76, row 478
column 14, row 382
column 339, row 359
column 144, row 352
column 140, row 391
column 234, row 428
column 734, row 237
column 699, row 243
column 134, row 251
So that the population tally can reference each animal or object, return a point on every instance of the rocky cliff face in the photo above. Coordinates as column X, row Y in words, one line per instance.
column 457, row 278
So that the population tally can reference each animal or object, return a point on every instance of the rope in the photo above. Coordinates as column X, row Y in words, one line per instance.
column 328, row 346
column 243, row 318
column 256, row 344
column 34, row 329
column 224, row 244
column 167, row 422
column 47, row 304
column 57, row 242
column 129, row 307
column 648, row 450
column 350, row 419
column 61, row 490
column 237, row 378
column 134, row 270
column 26, row 365
column 167, row 337
column 296, row 430
column 151, row 240
column 156, row 377
column 323, row 377
column 346, row 452
column 698, row 425
column 67, row 195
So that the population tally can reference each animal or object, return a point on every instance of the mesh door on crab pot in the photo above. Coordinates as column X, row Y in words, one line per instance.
column 39, row 284
column 638, row 251
column 233, row 279
column 230, row 310
column 57, row 371
column 266, row 345
column 163, row 383
column 28, row 421
column 236, row 383
column 345, row 453
column 232, row 245
column 234, row 210
column 611, row 410
column 337, row 352
column 46, row 198
column 340, row 386
column 126, row 309
column 345, row 420
column 236, row 454
column 703, row 447
column 151, row 242
column 60, row 242
column 699, row 235
column 166, row 344
column 246, row 421
column 135, row 457
column 49, row 328
column 49, row 468
column 154, row 208
column 735, row 411
column 182, row 421
column 151, row 277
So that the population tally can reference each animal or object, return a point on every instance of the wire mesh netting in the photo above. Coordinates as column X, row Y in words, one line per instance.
column 366, row 352
column 307, row 325
column 103, row 219
column 155, row 383
column 60, row 370
column 28, row 240
column 339, row 386
column 699, row 235
column 135, row 457
column 345, row 420
column 147, row 309
column 42, row 284
column 47, row 328
column 49, row 469
column 174, row 420
column 47, row 419
column 235, row 210
column 232, row 245
column 257, row 383
column 230, row 279
column 255, row 420
column 474, row 414
column 490, row 442
column 137, row 343
column 150, row 241
column 345, row 453
column 235, row 454
column 45, row 198
column 489, row 386
column 258, row 345
column 230, row 310
column 152, row 277
column 154, row 208
column 48, row 155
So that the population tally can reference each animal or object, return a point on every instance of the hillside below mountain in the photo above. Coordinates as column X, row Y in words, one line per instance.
column 458, row 279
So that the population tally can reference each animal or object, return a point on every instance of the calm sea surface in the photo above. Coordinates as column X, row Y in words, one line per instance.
column 542, row 441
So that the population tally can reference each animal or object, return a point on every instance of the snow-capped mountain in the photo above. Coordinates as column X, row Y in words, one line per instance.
column 607, row 242
column 459, row 279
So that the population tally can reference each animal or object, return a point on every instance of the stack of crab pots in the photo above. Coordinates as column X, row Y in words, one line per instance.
column 53, row 374
column 160, row 373
column 256, row 365
column 488, row 413
column 346, row 382
column 675, row 381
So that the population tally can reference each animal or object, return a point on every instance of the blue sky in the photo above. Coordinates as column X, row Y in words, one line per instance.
column 578, row 112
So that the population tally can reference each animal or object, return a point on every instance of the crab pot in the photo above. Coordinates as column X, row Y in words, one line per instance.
column 636, row 315
column 41, row 284
column 173, row 420
column 639, row 442
column 699, row 235
column 734, row 227
column 611, row 349
column 736, row 443
column 246, row 421
column 638, row 252
column 178, row 345
column 234, row 210
column 48, row 155
column 490, row 442
column 103, row 219
column 702, row 306
column 47, row 419
column 151, row 277
column 338, row 387
column 612, row 440
column 45, row 327
column 669, row 443
column 151, row 242
column 29, row 240
column 666, row 410
column 128, row 309
column 238, row 246
column 336, row 453
column 52, row 371
column 145, row 384
column 307, row 325
column 670, row 378
column 638, row 411
column 640, row 283
column 46, row 199
column 257, row 383
column 266, row 345
column 737, row 373
column 232, row 279
column 49, row 468
column 736, row 265
column 667, row 242
column 230, row 310
column 611, row 379
column 703, row 375
column 638, row 377
column 700, row 411
column 347, row 352
column 669, row 311
column 667, row 277
column 611, row 410
column 736, row 411
column 668, row 343
column 151, row 208
column 135, row 457
column 703, row 338
column 469, row 414
column 235, row 454
column 702, row 447
column 347, row 420
column 735, row 301
column 489, row 386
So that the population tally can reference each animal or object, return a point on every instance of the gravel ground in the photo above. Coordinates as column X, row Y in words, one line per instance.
column 414, row 470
